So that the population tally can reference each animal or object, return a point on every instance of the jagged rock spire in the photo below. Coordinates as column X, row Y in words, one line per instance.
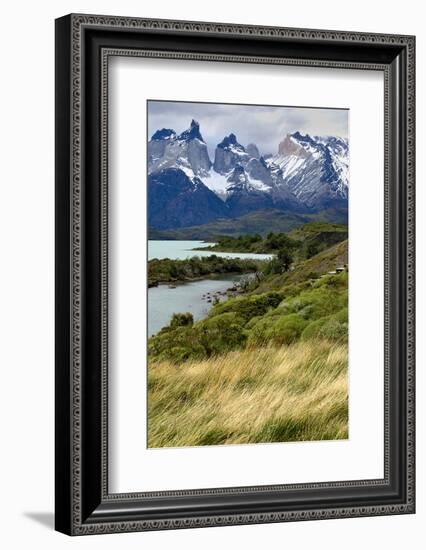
column 193, row 132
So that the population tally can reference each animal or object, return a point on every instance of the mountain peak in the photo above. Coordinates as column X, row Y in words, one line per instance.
column 193, row 132
column 188, row 151
column 303, row 138
column 230, row 140
column 290, row 145
column 164, row 133
column 228, row 153
column 296, row 135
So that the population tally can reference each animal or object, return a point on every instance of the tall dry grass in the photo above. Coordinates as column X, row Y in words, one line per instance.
column 293, row 393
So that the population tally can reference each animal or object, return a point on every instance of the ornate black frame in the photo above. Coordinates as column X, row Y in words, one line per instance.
column 83, row 45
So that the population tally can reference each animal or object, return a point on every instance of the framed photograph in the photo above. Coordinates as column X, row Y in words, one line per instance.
column 234, row 274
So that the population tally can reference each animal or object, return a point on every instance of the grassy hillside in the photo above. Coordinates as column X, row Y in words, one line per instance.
column 291, row 393
column 262, row 222
column 256, row 244
column 268, row 365
column 307, row 270
column 302, row 243
column 313, row 229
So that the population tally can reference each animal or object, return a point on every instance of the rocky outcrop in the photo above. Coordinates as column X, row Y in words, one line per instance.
column 258, row 170
column 252, row 151
column 228, row 154
column 193, row 132
column 198, row 157
column 158, row 142
column 188, row 151
column 289, row 146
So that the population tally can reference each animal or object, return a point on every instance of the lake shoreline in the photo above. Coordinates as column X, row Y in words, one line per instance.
column 213, row 296
column 183, row 250
column 224, row 250
column 184, row 279
column 195, row 297
column 196, row 268
column 171, row 283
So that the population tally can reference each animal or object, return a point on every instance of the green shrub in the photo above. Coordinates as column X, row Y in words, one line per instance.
column 278, row 330
column 287, row 329
column 339, row 281
column 317, row 302
column 312, row 249
column 292, row 290
column 332, row 327
column 333, row 330
column 280, row 263
column 248, row 307
column 312, row 330
column 342, row 316
column 181, row 320
column 180, row 354
column 252, row 322
column 176, row 345
column 221, row 333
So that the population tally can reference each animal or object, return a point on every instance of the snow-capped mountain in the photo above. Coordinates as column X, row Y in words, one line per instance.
column 315, row 169
column 185, row 188
column 237, row 170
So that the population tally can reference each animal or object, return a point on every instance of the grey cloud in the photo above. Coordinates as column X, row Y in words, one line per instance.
column 263, row 125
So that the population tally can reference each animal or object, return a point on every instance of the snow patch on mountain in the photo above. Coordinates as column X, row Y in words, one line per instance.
column 288, row 164
column 218, row 183
column 258, row 184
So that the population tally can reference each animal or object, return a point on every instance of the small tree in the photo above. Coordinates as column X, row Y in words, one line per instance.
column 312, row 249
column 281, row 263
column 182, row 320
column 285, row 257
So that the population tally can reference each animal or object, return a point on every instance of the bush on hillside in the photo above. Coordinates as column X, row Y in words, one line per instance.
column 221, row 333
column 317, row 302
column 248, row 307
column 174, row 344
column 332, row 327
column 279, row 330
column 182, row 320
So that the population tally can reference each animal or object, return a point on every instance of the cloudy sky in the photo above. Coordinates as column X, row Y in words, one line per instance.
column 265, row 126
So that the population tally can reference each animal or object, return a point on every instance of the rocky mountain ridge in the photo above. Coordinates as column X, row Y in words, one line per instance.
column 307, row 174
